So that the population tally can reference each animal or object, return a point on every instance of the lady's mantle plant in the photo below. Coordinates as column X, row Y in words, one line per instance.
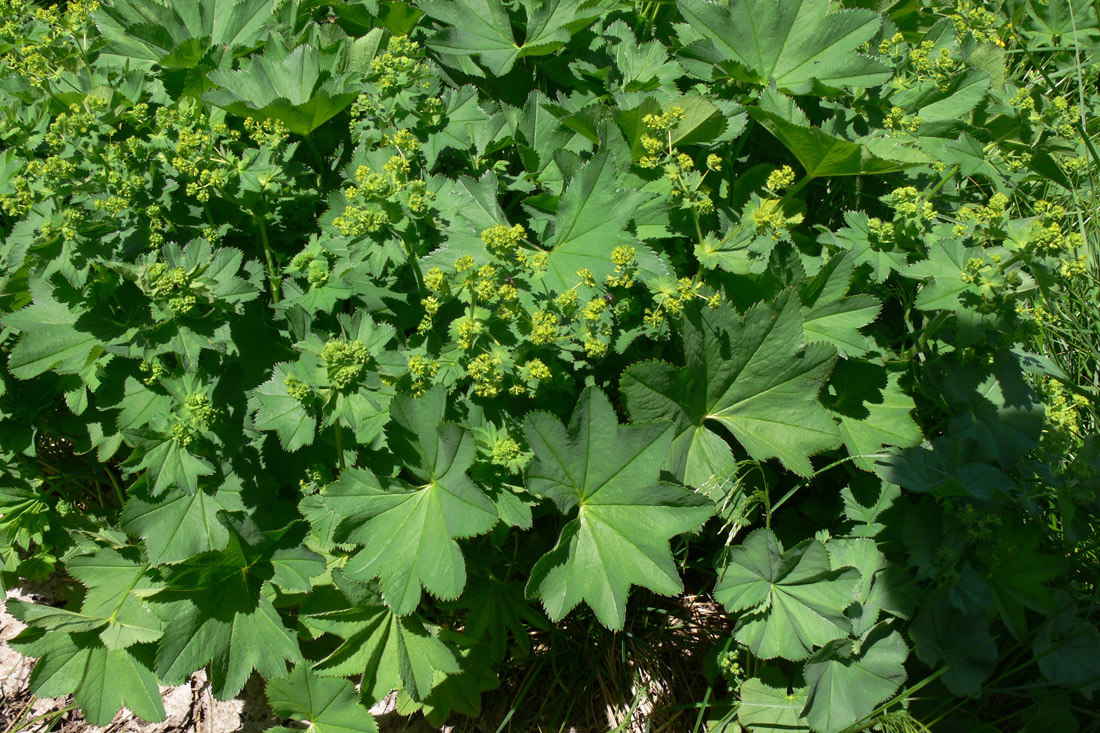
column 350, row 343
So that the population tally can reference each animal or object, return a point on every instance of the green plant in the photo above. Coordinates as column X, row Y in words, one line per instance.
column 400, row 345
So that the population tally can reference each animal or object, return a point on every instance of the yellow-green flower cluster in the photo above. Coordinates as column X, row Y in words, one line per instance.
column 154, row 371
column 1065, row 424
column 40, row 42
column 503, row 241
column 399, row 66
column 544, row 327
column 941, row 66
column 172, row 285
column 779, row 179
column 769, row 218
column 196, row 416
column 422, row 371
column 900, row 122
column 679, row 167
column 992, row 213
column 984, row 25
column 485, row 371
column 672, row 296
column 626, row 267
column 199, row 407
column 504, row 451
column 316, row 267
column 907, row 204
column 267, row 132
column 345, row 361
column 991, row 283
column 297, row 388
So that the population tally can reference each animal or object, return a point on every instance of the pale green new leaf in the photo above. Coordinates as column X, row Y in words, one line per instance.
column 323, row 704
column 752, row 376
column 791, row 43
column 793, row 601
column 625, row 514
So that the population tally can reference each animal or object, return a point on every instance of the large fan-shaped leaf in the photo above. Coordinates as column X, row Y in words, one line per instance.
column 625, row 515
column 750, row 375
column 791, row 43
column 294, row 90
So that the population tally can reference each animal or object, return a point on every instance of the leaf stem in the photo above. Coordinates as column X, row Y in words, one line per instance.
column 340, row 446
column 794, row 190
column 312, row 145
column 114, row 483
column 947, row 176
column 272, row 276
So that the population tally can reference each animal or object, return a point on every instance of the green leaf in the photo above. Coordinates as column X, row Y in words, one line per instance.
column 1068, row 651
column 291, row 420
column 294, row 90
column 873, row 410
column 830, row 315
column 113, row 605
column 324, row 704
column 749, row 375
column 591, row 222
column 933, row 102
column 388, row 650
column 944, row 636
column 218, row 615
column 823, row 155
column 845, row 686
column 944, row 270
column 945, row 467
column 1017, row 580
column 483, row 28
column 51, row 339
column 458, row 693
column 794, row 602
column 790, row 43
column 179, row 34
column 765, row 708
column 166, row 462
column 625, row 514
column 181, row 524
column 408, row 532
column 882, row 257
column 993, row 408
column 100, row 680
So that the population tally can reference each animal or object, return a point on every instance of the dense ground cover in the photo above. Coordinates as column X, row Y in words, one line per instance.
column 726, row 365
